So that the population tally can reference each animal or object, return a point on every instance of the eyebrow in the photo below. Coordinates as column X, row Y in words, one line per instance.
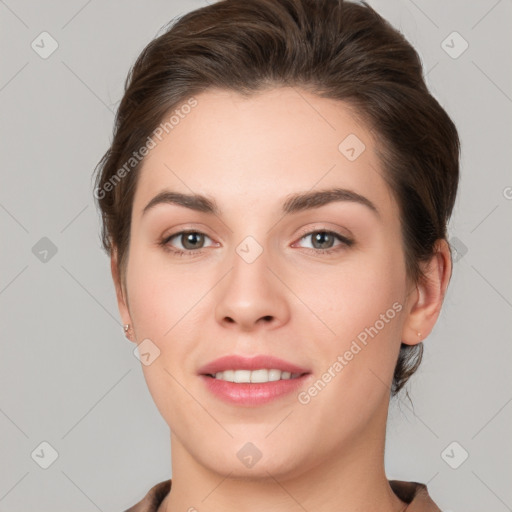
column 293, row 204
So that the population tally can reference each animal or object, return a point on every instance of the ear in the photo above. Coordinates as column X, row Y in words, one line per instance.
column 121, row 295
column 425, row 301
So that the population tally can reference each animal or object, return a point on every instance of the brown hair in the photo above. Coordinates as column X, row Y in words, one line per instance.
column 333, row 48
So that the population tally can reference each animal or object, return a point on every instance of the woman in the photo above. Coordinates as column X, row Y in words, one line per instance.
column 275, row 203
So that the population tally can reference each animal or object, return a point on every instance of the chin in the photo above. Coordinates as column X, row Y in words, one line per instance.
column 259, row 459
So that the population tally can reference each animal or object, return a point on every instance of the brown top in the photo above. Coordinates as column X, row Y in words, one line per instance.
column 413, row 493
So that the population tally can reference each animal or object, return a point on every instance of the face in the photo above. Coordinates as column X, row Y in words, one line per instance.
column 318, row 284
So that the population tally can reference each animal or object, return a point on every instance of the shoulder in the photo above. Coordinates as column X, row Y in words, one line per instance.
column 153, row 498
column 415, row 494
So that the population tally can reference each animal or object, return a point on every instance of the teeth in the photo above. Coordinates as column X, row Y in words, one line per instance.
column 256, row 376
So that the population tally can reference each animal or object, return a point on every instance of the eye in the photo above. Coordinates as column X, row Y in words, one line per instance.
column 190, row 241
column 323, row 241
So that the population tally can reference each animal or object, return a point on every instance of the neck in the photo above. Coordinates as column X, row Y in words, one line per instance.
column 348, row 480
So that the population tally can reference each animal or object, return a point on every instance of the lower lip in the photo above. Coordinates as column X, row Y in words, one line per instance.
column 252, row 394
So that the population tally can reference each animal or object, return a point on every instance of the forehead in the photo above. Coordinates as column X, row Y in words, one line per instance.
column 258, row 149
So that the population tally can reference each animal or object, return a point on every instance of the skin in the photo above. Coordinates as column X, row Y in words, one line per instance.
column 250, row 154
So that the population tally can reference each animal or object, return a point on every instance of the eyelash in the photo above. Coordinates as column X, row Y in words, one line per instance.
column 179, row 252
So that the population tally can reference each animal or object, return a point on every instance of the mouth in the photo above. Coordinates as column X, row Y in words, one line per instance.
column 259, row 376
column 261, row 368
column 254, row 381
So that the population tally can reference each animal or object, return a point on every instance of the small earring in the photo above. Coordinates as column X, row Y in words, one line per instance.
column 419, row 335
column 126, row 329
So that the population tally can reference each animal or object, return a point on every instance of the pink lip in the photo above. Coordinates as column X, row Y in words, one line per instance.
column 234, row 362
column 251, row 394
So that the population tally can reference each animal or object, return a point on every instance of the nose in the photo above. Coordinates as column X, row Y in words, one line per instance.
column 251, row 296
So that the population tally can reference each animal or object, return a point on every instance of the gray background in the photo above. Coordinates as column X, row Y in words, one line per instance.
column 67, row 374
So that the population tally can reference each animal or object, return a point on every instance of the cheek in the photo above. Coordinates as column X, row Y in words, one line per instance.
column 362, row 312
column 160, row 295
column 162, row 300
column 352, row 296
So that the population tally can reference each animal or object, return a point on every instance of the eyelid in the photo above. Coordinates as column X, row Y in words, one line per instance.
column 343, row 242
column 347, row 238
column 166, row 239
column 189, row 227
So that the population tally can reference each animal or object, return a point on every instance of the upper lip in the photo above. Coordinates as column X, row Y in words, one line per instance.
column 235, row 362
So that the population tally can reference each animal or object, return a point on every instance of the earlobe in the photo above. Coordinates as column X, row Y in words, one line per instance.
column 427, row 300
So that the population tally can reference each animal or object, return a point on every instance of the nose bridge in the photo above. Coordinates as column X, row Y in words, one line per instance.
column 250, row 263
column 250, row 291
